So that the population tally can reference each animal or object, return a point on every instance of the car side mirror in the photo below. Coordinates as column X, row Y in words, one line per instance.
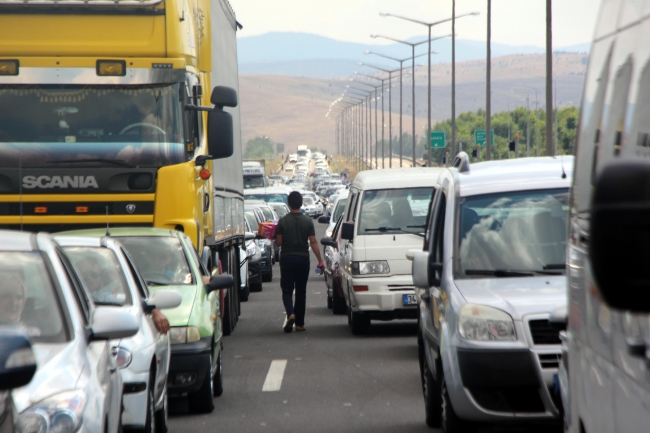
column 220, row 128
column 164, row 299
column 112, row 323
column 17, row 362
column 324, row 219
column 347, row 231
column 249, row 236
column 424, row 272
column 619, row 238
column 328, row 242
column 220, row 282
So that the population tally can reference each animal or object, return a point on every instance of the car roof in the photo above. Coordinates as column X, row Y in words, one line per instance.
column 397, row 178
column 122, row 231
column 519, row 174
column 12, row 240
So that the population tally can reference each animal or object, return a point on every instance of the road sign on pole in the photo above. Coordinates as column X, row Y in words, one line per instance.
column 479, row 137
column 438, row 140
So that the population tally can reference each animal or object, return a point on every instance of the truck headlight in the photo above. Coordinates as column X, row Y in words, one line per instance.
column 60, row 413
column 481, row 323
column 370, row 268
column 183, row 334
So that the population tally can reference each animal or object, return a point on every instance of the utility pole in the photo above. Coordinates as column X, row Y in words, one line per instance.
column 549, row 78
column 488, row 78
column 453, row 85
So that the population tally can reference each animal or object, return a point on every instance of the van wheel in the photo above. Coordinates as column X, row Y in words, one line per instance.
column 359, row 323
column 431, row 393
column 201, row 400
column 338, row 303
column 449, row 421
column 329, row 302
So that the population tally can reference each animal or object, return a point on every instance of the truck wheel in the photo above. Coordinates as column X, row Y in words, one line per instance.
column 338, row 303
column 449, row 421
column 201, row 400
column 227, row 319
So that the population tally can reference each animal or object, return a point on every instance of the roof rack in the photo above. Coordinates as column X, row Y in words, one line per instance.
column 461, row 162
column 79, row 3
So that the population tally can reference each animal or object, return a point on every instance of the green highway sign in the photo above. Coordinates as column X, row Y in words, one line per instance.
column 479, row 137
column 438, row 140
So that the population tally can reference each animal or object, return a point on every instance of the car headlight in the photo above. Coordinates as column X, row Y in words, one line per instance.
column 183, row 334
column 250, row 250
column 368, row 268
column 481, row 323
column 60, row 413
column 122, row 357
column 328, row 233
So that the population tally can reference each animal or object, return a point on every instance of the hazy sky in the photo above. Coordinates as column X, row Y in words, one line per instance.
column 514, row 22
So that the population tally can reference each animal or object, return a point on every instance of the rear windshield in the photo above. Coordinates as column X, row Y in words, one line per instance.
column 394, row 211
column 269, row 198
column 28, row 298
column 160, row 260
column 101, row 275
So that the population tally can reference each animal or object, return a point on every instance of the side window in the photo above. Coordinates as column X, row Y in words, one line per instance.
column 197, row 261
column 193, row 119
column 77, row 288
column 352, row 201
column 141, row 285
column 429, row 227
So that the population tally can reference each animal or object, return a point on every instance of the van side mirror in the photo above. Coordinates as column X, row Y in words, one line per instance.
column 347, row 231
column 425, row 273
column 218, row 282
column 17, row 362
column 328, row 242
column 220, row 129
column 619, row 239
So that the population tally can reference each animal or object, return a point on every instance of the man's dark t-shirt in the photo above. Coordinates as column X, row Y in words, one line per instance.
column 295, row 229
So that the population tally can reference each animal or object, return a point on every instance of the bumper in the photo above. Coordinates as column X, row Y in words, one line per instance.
column 254, row 272
column 188, row 366
column 501, row 385
column 134, row 399
column 384, row 298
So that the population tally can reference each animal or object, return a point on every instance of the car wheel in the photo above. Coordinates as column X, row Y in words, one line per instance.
column 329, row 302
column 226, row 322
column 359, row 323
column 268, row 277
column 150, row 423
column 218, row 379
column 431, row 393
column 449, row 421
column 245, row 293
column 201, row 400
column 338, row 303
column 161, row 416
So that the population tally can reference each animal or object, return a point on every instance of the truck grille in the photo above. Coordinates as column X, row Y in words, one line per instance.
column 543, row 333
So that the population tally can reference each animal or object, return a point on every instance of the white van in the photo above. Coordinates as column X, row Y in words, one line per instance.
column 385, row 216
column 605, row 376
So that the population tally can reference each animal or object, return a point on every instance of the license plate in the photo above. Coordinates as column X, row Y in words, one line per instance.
column 409, row 300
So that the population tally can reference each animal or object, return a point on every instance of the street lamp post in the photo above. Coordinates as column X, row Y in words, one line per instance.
column 368, row 118
column 412, row 45
column 453, row 69
column 536, row 119
column 376, row 93
column 358, row 131
column 383, row 124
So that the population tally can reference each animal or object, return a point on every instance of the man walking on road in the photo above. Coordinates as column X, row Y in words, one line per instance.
column 295, row 232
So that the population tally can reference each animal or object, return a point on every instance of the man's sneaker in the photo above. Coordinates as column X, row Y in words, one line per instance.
column 288, row 323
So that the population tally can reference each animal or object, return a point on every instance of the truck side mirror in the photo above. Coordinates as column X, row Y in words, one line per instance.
column 619, row 239
column 347, row 231
column 220, row 129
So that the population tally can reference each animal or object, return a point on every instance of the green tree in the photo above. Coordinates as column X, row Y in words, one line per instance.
column 260, row 147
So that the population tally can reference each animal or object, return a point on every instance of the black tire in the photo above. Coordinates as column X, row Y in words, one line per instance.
column 217, row 382
column 257, row 287
column 359, row 323
column 161, row 416
column 150, row 423
column 449, row 421
column 431, row 393
column 329, row 302
column 227, row 313
column 268, row 277
column 338, row 304
column 201, row 400
column 245, row 293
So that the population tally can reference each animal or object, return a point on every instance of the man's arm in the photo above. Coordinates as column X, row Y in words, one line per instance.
column 315, row 249
column 161, row 322
column 278, row 240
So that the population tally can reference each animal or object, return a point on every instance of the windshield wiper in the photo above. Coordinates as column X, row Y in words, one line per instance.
column 498, row 273
column 418, row 227
column 397, row 229
column 105, row 161
column 156, row 283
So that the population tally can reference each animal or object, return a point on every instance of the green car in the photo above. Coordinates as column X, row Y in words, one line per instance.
column 166, row 258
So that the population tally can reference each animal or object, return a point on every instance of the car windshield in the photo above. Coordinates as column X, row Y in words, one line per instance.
column 254, row 182
column 269, row 198
column 160, row 260
column 268, row 215
column 281, row 211
column 101, row 275
column 521, row 231
column 252, row 221
column 340, row 207
column 28, row 298
column 55, row 125
column 394, row 210
column 308, row 201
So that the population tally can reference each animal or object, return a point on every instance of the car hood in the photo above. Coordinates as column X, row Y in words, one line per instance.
column 59, row 367
column 179, row 316
column 516, row 296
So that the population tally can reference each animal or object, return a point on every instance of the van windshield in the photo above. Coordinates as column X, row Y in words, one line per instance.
column 394, row 211
column 513, row 233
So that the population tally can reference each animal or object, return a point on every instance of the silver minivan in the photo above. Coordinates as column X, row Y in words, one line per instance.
column 491, row 292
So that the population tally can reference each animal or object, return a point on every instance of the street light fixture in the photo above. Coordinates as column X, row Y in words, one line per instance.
column 453, row 68
column 413, row 45
column 376, row 115
column 367, row 94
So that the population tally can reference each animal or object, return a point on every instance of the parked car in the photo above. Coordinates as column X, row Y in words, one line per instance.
column 311, row 207
column 288, row 167
column 17, row 367
column 265, row 245
column 491, row 285
column 77, row 386
column 385, row 217
column 281, row 209
column 167, row 259
column 332, row 270
column 253, row 253
column 337, row 211
column 110, row 277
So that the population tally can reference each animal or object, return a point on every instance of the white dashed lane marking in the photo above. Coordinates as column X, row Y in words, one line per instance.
column 275, row 375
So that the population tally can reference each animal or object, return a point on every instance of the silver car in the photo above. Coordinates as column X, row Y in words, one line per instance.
column 110, row 278
column 77, row 387
column 491, row 292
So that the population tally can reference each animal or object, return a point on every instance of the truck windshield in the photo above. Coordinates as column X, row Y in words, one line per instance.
column 254, row 182
column 393, row 211
column 514, row 233
column 54, row 125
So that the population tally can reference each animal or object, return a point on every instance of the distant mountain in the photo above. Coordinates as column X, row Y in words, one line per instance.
column 303, row 54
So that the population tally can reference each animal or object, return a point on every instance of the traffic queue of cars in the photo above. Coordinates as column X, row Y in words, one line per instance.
column 97, row 307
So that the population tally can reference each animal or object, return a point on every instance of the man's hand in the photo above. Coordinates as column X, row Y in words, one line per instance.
column 161, row 322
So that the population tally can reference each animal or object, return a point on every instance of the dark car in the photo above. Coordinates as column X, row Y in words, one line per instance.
column 332, row 258
column 17, row 366
column 265, row 245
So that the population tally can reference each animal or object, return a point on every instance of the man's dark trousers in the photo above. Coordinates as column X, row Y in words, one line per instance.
column 294, row 272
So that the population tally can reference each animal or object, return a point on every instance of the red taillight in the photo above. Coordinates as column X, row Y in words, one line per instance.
column 360, row 288
column 40, row 209
column 205, row 174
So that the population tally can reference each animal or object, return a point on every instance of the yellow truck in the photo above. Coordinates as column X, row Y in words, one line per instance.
column 123, row 113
